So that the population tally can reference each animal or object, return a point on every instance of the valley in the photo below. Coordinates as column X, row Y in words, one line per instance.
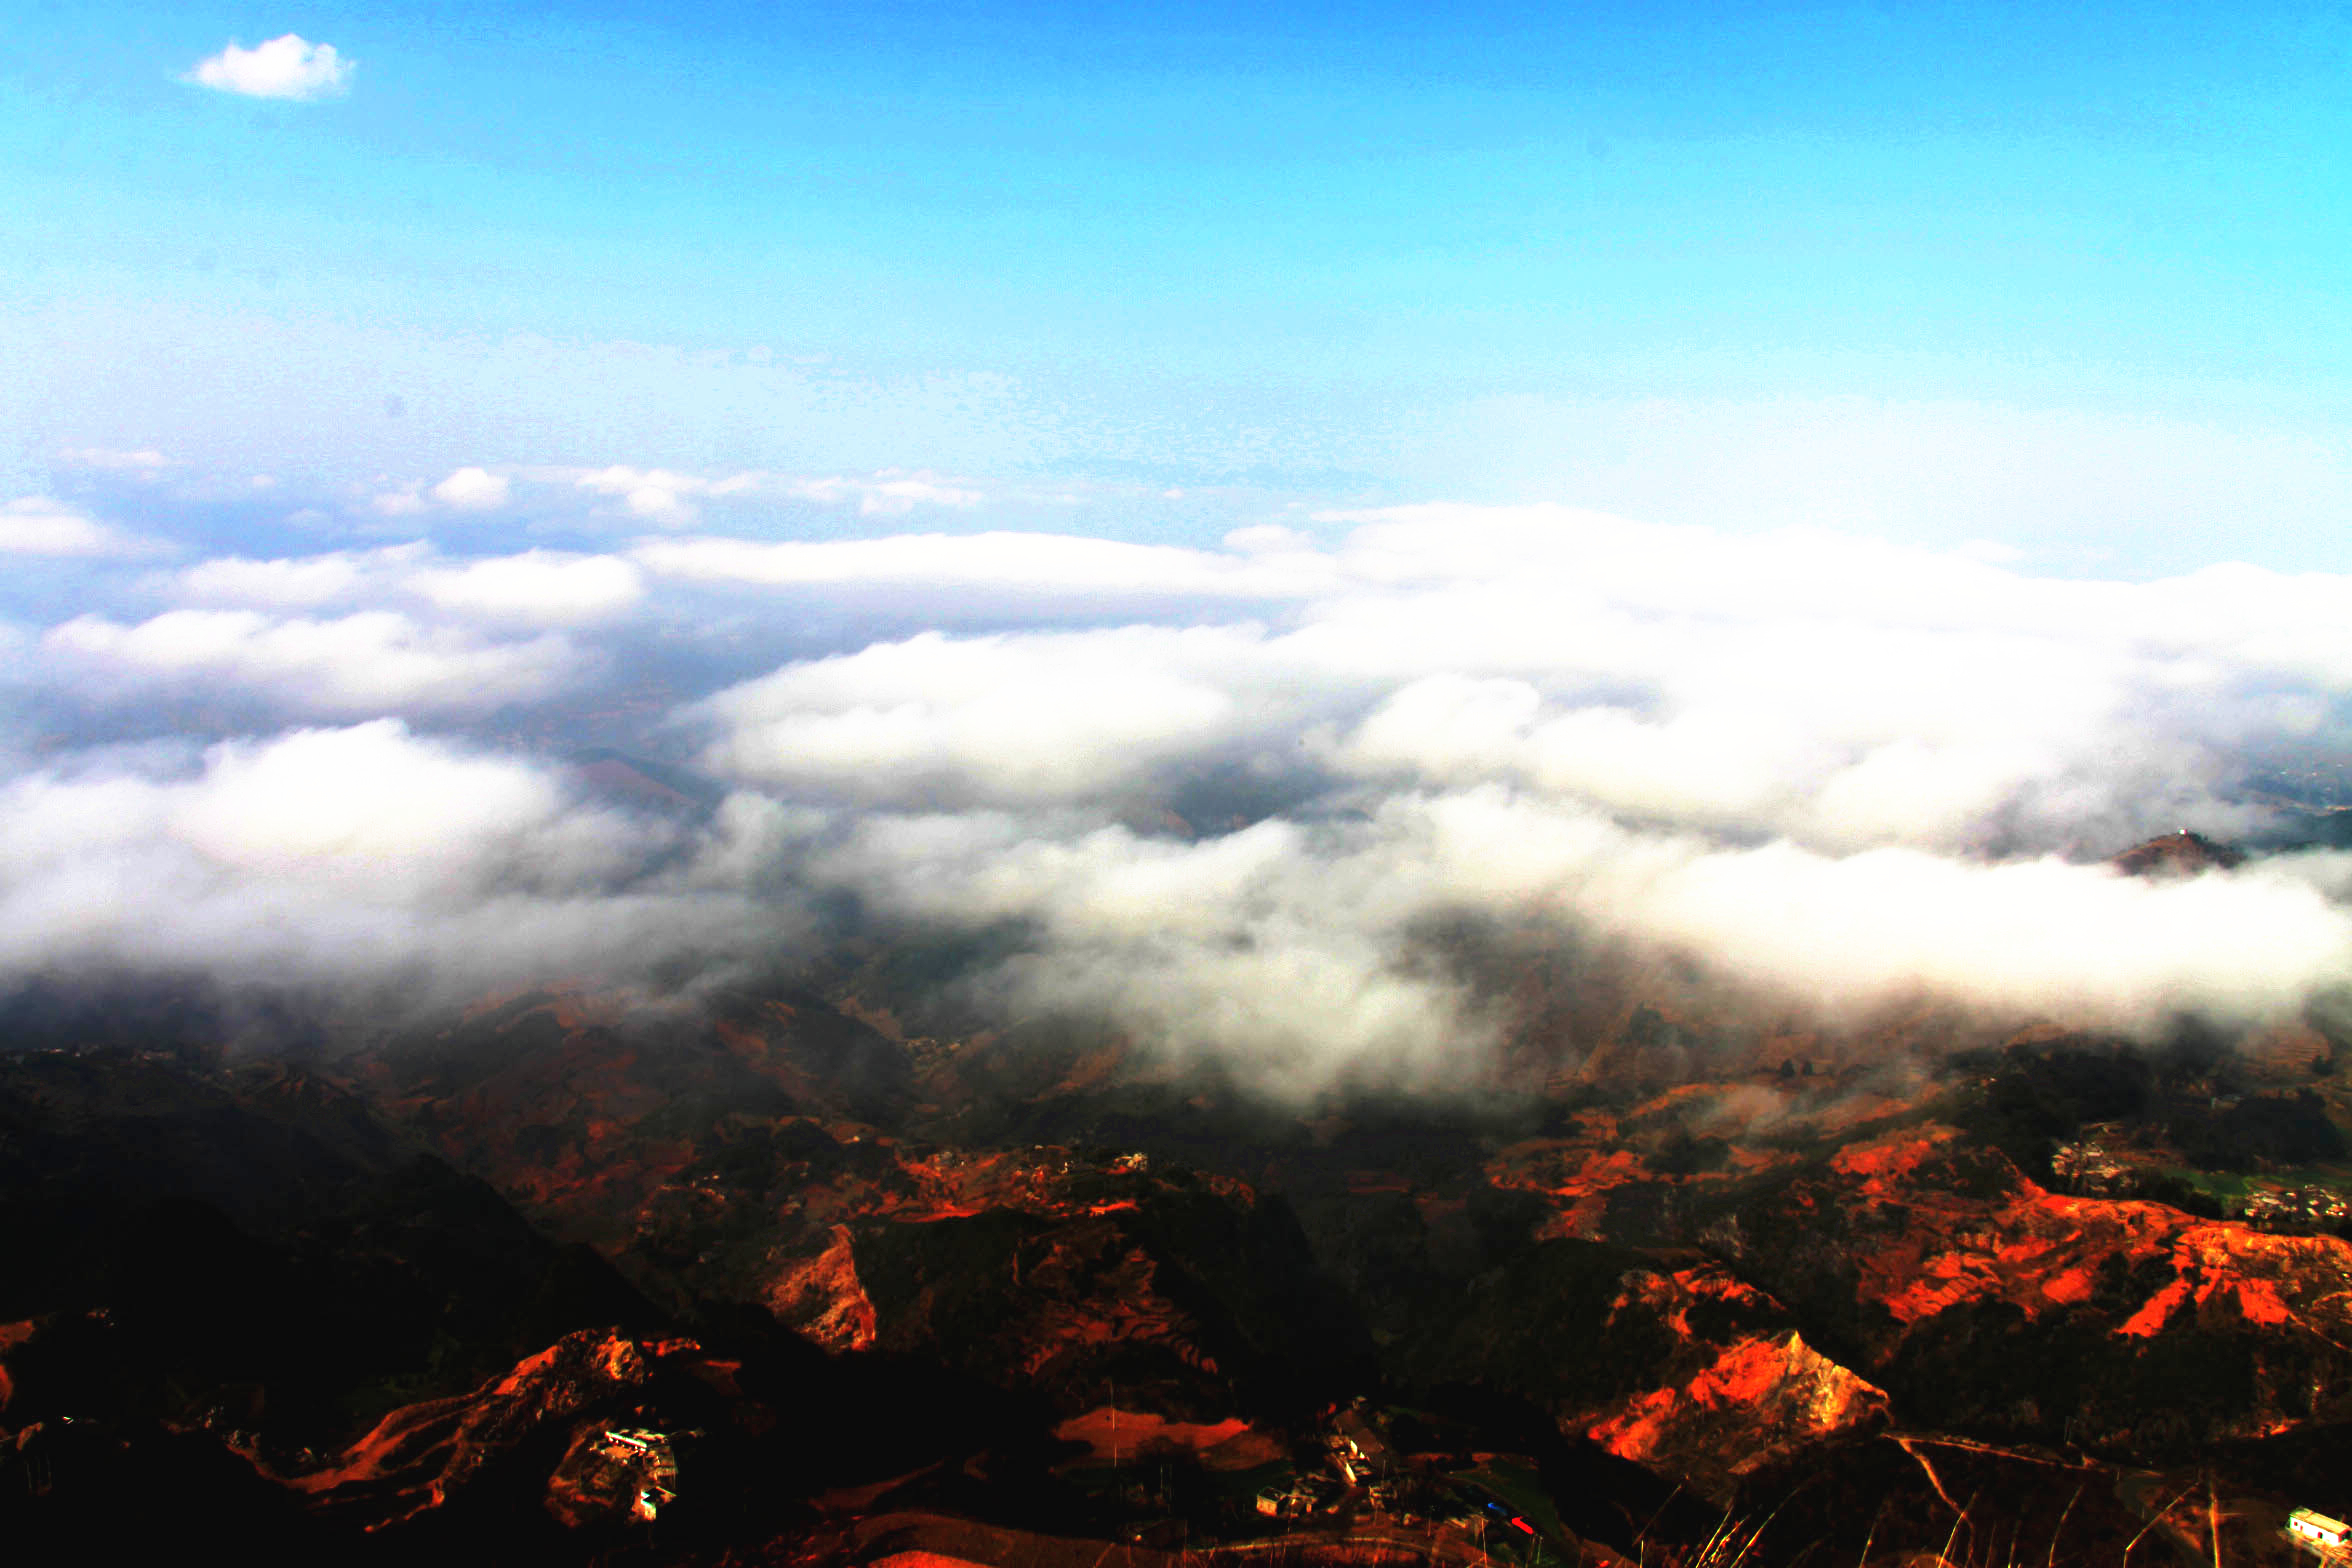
column 573, row 1278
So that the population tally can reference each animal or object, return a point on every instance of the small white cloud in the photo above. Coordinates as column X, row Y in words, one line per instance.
column 472, row 490
column 36, row 525
column 655, row 494
column 288, row 67
column 469, row 489
column 398, row 503
column 657, row 505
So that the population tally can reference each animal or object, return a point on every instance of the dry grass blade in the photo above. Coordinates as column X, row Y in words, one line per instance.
column 1958, row 1524
column 1871, row 1535
column 2156, row 1519
column 2052, row 1560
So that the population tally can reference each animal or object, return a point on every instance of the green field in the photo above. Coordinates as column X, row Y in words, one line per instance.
column 1518, row 1488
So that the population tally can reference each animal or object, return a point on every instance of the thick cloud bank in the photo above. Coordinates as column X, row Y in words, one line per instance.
column 363, row 854
column 1228, row 798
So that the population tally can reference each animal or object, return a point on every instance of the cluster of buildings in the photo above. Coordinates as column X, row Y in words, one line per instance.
column 2087, row 1167
column 647, row 1453
column 1364, row 1469
column 2315, row 1207
column 1362, row 1466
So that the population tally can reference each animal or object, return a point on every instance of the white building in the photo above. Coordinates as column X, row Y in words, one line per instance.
column 2317, row 1528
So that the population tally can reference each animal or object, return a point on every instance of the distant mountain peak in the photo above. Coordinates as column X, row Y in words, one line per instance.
column 2180, row 853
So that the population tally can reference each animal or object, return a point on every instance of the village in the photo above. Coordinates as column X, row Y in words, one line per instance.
column 616, row 1473
column 2101, row 1164
column 1350, row 1481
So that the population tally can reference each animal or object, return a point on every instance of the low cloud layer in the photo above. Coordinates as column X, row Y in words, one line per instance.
column 1228, row 796
column 1300, row 950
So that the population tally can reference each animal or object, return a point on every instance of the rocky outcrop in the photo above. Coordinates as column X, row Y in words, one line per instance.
column 821, row 1298
column 1684, row 1368
column 1761, row 1400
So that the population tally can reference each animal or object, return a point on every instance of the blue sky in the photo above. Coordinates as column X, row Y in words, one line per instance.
column 2075, row 282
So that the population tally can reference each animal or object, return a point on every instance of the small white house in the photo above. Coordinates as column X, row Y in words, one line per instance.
column 2318, row 1528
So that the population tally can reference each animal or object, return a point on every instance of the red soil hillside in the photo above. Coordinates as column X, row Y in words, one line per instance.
column 421, row 1455
column 1674, row 1364
column 1764, row 1395
column 1986, row 1302
column 739, row 1163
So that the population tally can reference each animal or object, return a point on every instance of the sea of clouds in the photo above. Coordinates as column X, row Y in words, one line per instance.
column 1220, row 794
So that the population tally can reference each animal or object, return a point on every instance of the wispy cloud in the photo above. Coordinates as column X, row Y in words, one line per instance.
column 657, row 495
column 672, row 500
column 37, row 525
column 889, row 495
column 1035, row 564
column 375, row 661
column 298, row 582
column 145, row 460
column 287, row 67
column 535, row 587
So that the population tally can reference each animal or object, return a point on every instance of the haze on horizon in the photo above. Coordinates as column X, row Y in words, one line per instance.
column 1220, row 496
